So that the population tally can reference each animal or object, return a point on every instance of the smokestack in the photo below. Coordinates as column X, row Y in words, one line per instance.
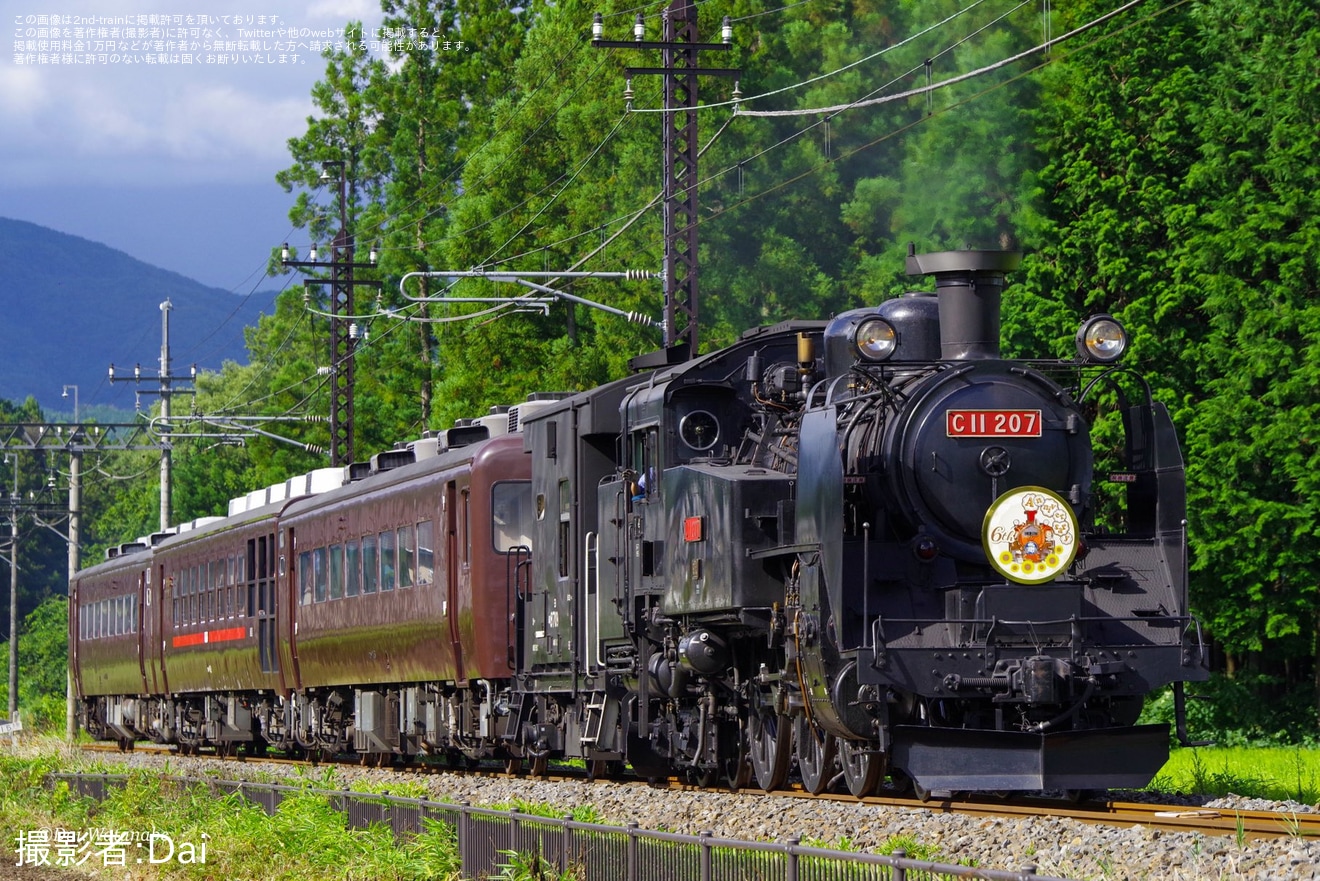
column 968, row 285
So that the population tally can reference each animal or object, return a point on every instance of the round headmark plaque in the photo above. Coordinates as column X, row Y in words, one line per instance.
column 1030, row 535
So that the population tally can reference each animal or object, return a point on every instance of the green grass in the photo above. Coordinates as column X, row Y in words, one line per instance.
column 1277, row 773
column 306, row 840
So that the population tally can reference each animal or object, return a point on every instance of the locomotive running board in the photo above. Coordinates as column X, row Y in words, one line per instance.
column 964, row 759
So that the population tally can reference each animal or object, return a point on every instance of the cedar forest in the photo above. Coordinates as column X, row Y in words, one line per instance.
column 1160, row 166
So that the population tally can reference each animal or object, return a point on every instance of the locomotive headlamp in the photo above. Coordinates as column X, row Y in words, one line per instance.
column 924, row 548
column 1101, row 339
column 876, row 339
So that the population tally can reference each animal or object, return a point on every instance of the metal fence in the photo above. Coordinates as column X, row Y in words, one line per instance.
column 586, row 851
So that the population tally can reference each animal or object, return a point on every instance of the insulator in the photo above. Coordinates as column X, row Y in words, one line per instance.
column 628, row 91
column 597, row 26
column 726, row 32
column 639, row 28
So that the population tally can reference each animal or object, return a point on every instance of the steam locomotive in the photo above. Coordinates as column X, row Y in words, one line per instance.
column 843, row 552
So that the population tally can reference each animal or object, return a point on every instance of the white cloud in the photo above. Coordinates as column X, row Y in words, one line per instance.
column 221, row 121
column 160, row 123
column 342, row 11
column 21, row 91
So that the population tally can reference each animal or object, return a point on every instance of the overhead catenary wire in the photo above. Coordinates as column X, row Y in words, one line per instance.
column 853, row 152
column 738, row 102
column 954, row 80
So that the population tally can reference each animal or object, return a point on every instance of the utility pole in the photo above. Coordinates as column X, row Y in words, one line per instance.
column 679, row 47
column 75, row 552
column 74, row 440
column 14, row 498
column 344, row 330
column 166, row 392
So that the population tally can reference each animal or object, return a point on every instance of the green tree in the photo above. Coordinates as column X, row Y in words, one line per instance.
column 1252, row 224
column 43, row 662
column 1178, row 199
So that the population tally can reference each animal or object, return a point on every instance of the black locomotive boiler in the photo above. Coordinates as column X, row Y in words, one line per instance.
column 842, row 551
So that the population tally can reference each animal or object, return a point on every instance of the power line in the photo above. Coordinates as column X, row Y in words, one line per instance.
column 963, row 77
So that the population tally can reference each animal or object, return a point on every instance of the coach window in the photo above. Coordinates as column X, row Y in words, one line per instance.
column 336, row 572
column 466, row 526
column 212, row 600
column 305, row 578
column 319, row 574
column 511, row 515
column 208, row 591
column 387, row 561
column 227, row 579
column 407, row 556
column 370, row 565
column 240, row 589
column 352, row 568
column 425, row 552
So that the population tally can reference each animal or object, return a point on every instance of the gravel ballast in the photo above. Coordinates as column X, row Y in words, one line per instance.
column 1058, row 847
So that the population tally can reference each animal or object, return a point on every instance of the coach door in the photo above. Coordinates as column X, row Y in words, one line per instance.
column 138, row 624
column 454, row 547
column 262, row 602
column 158, row 621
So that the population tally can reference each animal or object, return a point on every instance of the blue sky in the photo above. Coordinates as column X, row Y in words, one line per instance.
column 172, row 163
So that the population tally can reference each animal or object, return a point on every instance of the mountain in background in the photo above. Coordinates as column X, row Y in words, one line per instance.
column 70, row 308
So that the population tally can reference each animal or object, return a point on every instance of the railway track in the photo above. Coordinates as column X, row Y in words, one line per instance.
column 1243, row 825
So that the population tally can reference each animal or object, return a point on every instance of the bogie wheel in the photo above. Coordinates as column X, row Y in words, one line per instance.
column 703, row 778
column 513, row 766
column 540, row 766
column 906, row 785
column 815, row 754
column 738, row 770
column 769, row 741
column 600, row 769
column 863, row 767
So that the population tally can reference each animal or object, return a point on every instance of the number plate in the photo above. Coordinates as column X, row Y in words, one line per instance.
column 993, row 423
